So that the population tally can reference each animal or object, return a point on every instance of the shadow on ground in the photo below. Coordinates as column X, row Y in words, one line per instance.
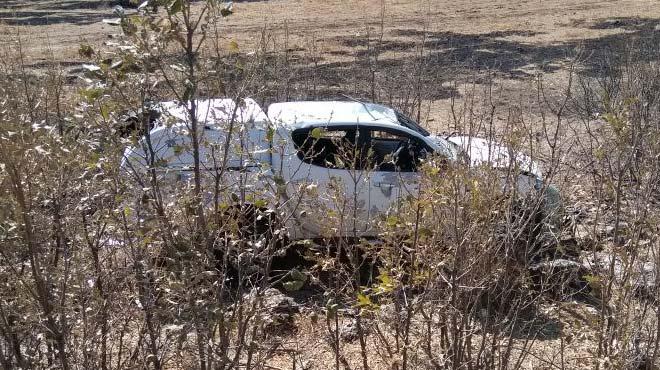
column 536, row 325
column 42, row 12
column 412, row 61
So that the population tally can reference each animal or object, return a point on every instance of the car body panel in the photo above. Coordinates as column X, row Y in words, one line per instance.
column 172, row 144
column 482, row 151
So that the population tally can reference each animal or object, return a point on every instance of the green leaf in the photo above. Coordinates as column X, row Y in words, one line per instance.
column 105, row 112
column 260, row 203
column 316, row 133
column 279, row 180
column 386, row 284
column 175, row 7
column 592, row 279
column 188, row 94
column 392, row 221
column 85, row 51
column 385, row 278
column 363, row 300
column 298, row 281
column 270, row 134
column 129, row 26
column 233, row 47
column 297, row 275
column 293, row 285
column 425, row 231
column 239, row 65
column 91, row 94
column 331, row 308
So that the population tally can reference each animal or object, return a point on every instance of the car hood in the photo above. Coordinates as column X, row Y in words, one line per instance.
column 481, row 151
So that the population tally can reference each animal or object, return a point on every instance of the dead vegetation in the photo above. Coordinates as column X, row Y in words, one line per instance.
column 102, row 271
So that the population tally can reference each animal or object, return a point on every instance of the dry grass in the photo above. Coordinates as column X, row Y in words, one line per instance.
column 504, row 45
column 510, row 40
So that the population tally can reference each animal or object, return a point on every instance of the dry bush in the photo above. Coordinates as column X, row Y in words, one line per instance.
column 102, row 269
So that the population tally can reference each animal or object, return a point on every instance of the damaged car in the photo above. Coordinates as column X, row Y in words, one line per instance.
column 306, row 156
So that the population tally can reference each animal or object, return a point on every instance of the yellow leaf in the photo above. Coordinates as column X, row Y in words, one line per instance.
column 233, row 46
column 363, row 300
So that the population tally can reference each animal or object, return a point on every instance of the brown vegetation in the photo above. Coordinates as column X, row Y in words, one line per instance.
column 101, row 270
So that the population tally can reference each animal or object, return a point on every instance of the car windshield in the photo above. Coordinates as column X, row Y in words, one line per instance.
column 411, row 124
column 401, row 118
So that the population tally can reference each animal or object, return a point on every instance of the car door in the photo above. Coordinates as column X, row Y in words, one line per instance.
column 326, row 182
column 395, row 156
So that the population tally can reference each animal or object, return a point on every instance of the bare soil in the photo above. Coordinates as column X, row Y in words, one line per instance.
column 509, row 41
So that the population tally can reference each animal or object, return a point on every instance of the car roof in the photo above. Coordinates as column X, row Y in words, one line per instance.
column 302, row 114
column 212, row 111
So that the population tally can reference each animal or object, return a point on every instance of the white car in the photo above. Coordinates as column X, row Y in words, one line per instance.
column 314, row 158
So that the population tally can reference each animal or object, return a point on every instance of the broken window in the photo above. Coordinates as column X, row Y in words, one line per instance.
column 331, row 147
column 396, row 151
column 379, row 149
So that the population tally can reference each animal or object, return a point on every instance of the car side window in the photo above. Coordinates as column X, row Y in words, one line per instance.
column 393, row 150
column 330, row 147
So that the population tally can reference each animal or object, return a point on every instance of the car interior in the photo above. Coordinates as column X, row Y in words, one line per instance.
column 377, row 149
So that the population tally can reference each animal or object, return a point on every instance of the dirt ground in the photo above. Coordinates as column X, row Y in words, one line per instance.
column 531, row 33
column 512, row 41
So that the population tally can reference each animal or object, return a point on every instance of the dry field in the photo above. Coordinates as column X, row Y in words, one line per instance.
column 510, row 41
column 508, row 44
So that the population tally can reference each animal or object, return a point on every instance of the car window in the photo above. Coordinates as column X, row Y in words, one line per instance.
column 393, row 150
column 386, row 135
column 331, row 147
